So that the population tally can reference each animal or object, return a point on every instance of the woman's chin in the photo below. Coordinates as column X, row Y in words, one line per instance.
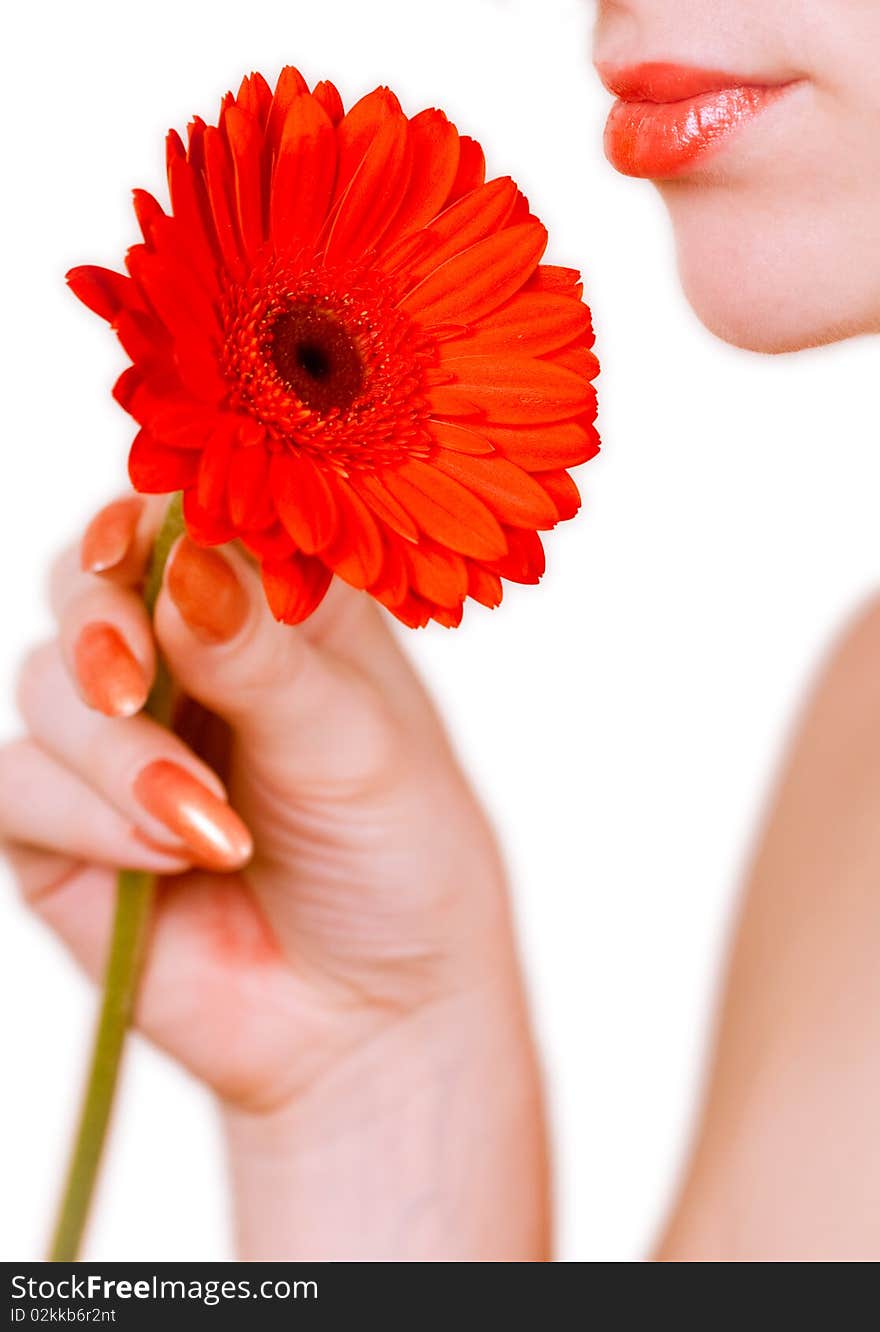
column 759, row 324
column 777, row 286
column 756, row 323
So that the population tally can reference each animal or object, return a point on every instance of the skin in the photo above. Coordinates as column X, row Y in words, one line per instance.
column 352, row 995
column 784, row 1165
column 777, row 235
column 777, row 246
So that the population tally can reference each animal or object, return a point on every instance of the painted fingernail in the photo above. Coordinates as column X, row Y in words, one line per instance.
column 206, row 591
column 206, row 825
column 109, row 535
column 153, row 843
column 110, row 676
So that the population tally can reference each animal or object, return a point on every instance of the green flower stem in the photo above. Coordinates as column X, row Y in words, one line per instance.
column 134, row 899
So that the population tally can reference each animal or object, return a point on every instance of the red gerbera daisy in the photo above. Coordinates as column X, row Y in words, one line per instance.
column 347, row 355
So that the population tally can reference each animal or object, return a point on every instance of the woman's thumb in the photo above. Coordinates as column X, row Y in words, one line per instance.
column 309, row 714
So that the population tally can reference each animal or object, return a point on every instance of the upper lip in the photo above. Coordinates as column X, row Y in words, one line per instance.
column 661, row 81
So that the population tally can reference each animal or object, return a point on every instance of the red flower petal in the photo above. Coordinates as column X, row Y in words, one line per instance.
column 272, row 544
column 192, row 228
column 148, row 210
column 459, row 438
column 471, row 168
column 435, row 153
column 304, row 175
column 530, row 324
column 205, row 527
column 562, row 281
column 156, row 470
column 125, row 390
column 218, row 174
column 471, row 219
column 438, row 575
column 357, row 553
column 102, row 290
column 305, row 502
column 175, row 295
column 542, row 448
column 451, row 400
column 508, row 491
column 412, row 611
column 142, row 336
column 250, row 504
column 290, row 86
column 450, row 619
column 358, row 129
column 181, row 423
column 392, row 585
column 578, row 359
column 524, row 561
column 372, row 196
column 476, row 282
column 146, row 394
column 446, row 511
column 484, row 586
column 295, row 587
column 213, row 473
column 383, row 504
column 563, row 491
column 513, row 391
column 245, row 141
column 254, row 96
column 328, row 95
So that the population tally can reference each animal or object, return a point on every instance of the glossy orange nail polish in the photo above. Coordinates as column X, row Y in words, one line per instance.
column 206, row 591
column 110, row 676
column 109, row 535
column 211, row 830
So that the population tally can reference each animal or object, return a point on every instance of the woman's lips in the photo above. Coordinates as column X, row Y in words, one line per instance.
column 668, row 117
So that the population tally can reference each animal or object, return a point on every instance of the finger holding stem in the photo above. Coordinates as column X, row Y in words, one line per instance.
column 134, row 898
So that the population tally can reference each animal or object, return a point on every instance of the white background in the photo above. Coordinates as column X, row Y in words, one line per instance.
column 622, row 722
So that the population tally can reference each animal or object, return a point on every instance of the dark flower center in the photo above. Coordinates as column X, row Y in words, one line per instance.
column 328, row 364
column 316, row 357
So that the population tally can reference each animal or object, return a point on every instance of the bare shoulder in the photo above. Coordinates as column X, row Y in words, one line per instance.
column 784, row 1165
column 856, row 651
column 843, row 709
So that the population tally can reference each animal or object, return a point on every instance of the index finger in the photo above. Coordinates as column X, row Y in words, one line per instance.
column 117, row 542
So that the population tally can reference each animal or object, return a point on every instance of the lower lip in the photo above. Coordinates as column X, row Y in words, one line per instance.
column 664, row 139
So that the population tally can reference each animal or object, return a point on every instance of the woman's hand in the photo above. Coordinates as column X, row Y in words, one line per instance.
column 331, row 949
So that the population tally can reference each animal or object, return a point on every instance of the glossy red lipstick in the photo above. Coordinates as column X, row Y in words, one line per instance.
column 668, row 117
